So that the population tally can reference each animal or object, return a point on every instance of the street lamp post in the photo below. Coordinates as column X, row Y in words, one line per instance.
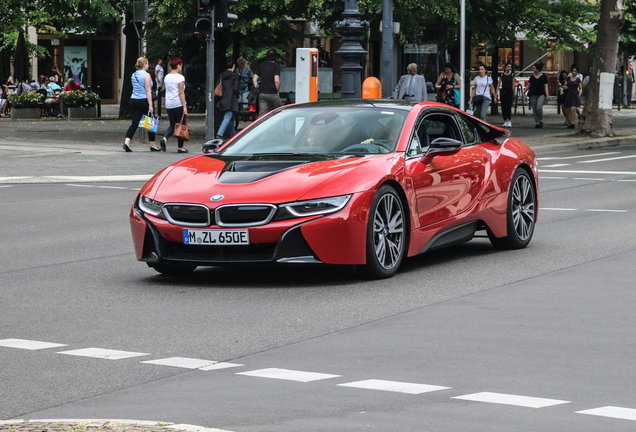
column 351, row 29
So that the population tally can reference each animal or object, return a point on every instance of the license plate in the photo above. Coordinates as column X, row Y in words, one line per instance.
column 216, row 237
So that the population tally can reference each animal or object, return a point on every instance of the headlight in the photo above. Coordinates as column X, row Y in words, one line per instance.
column 316, row 207
column 150, row 206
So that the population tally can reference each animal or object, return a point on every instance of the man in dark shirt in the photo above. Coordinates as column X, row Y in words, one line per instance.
column 269, row 74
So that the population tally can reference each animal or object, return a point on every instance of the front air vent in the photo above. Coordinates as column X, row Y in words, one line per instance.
column 244, row 215
column 192, row 215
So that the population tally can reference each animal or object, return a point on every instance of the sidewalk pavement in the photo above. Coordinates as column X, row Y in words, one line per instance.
column 109, row 130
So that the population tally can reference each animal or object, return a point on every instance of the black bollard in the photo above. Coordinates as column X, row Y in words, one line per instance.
column 99, row 101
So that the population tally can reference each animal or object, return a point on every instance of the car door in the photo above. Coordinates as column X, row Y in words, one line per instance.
column 448, row 185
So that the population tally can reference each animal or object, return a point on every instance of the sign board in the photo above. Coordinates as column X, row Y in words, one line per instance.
column 606, row 91
column 140, row 11
column 55, row 41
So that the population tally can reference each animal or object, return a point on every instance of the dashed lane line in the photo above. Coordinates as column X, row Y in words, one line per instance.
column 612, row 412
column 587, row 172
column 394, row 386
column 28, row 344
column 608, row 159
column 102, row 353
column 289, row 375
column 577, row 157
column 507, row 399
column 77, row 179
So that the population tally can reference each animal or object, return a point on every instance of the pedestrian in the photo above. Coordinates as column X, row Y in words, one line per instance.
column 269, row 74
column 4, row 103
column 629, row 78
column 176, row 106
column 54, row 72
column 228, row 104
column 411, row 86
column 563, row 77
column 506, row 93
column 245, row 75
column 573, row 96
column 140, row 102
column 448, row 85
column 539, row 93
column 71, row 85
column 480, row 96
column 159, row 75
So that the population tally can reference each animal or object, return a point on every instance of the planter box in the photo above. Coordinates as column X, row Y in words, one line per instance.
column 25, row 113
column 74, row 112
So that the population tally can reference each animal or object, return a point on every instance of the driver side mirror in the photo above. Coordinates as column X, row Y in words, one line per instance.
column 212, row 145
column 442, row 147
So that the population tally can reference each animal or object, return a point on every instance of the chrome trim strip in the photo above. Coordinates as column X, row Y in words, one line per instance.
column 220, row 223
column 191, row 224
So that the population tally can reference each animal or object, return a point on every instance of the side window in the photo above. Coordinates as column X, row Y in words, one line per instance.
column 472, row 137
column 419, row 142
column 441, row 126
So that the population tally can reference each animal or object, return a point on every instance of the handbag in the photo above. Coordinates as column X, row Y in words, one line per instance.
column 149, row 122
column 457, row 92
column 181, row 130
column 218, row 90
column 252, row 97
column 441, row 95
column 479, row 99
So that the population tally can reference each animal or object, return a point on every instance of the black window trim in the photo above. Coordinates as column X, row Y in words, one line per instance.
column 425, row 113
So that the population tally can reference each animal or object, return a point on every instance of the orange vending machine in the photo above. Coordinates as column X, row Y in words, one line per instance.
column 306, row 75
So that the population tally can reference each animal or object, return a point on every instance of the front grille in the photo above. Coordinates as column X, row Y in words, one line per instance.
column 261, row 252
column 187, row 214
column 244, row 215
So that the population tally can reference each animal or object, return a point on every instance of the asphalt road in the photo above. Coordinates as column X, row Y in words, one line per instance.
column 419, row 352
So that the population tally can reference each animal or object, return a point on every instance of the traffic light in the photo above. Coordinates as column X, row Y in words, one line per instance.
column 222, row 17
column 203, row 23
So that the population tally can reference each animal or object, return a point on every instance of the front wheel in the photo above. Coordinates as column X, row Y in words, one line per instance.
column 521, row 213
column 386, row 234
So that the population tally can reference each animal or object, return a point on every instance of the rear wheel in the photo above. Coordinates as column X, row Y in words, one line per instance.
column 386, row 234
column 521, row 214
column 171, row 269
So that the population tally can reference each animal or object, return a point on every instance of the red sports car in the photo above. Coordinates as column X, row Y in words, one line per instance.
column 352, row 182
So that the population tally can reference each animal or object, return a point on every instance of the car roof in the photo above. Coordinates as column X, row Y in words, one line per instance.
column 379, row 103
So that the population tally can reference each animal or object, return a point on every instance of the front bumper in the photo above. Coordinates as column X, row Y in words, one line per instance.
column 338, row 238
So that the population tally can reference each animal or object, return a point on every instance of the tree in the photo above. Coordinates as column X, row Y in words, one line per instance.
column 597, row 114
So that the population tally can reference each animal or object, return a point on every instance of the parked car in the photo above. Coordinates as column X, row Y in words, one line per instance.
column 352, row 182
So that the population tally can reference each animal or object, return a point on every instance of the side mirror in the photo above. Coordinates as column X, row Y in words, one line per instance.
column 441, row 147
column 212, row 145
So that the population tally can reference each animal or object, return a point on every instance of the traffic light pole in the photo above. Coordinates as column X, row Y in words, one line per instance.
column 209, row 83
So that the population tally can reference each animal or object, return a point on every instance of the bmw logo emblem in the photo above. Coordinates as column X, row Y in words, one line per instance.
column 217, row 198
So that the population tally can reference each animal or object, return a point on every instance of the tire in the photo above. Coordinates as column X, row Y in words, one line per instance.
column 521, row 213
column 174, row 269
column 386, row 234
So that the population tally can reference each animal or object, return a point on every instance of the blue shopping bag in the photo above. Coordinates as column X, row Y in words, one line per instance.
column 149, row 122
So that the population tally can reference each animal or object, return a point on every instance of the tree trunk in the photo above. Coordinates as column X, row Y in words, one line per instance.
column 495, row 79
column 597, row 114
column 130, row 58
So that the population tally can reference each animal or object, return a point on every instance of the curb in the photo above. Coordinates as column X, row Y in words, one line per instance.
column 586, row 143
column 75, row 425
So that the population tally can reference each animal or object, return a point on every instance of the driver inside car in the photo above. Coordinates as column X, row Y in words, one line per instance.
column 392, row 131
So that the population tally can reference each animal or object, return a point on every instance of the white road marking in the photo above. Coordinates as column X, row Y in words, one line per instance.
column 28, row 344
column 103, row 353
column 557, row 209
column 577, row 157
column 194, row 428
column 6, row 186
column 608, row 159
column 627, row 180
column 613, row 412
column 588, row 172
column 182, row 362
column 553, row 178
column 606, row 210
column 394, row 386
column 286, row 374
column 506, row 399
column 588, row 179
column 555, row 165
column 78, row 179
column 220, row 365
column 80, row 185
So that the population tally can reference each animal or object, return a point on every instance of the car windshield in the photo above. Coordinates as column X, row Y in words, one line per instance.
column 324, row 130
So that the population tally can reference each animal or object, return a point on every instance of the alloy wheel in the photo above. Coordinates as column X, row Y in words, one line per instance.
column 388, row 231
column 523, row 208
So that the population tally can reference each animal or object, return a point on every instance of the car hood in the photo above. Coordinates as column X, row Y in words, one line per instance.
column 250, row 179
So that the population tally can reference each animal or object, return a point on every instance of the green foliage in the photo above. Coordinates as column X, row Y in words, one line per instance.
column 25, row 100
column 80, row 98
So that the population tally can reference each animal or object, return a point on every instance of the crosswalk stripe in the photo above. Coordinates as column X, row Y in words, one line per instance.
column 394, row 386
column 28, row 344
column 613, row 412
column 286, row 374
column 103, row 353
column 182, row 362
column 507, row 399
column 220, row 365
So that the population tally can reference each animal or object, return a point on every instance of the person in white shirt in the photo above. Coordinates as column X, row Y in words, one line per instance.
column 176, row 106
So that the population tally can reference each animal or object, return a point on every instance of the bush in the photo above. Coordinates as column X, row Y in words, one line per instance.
column 25, row 100
column 80, row 98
